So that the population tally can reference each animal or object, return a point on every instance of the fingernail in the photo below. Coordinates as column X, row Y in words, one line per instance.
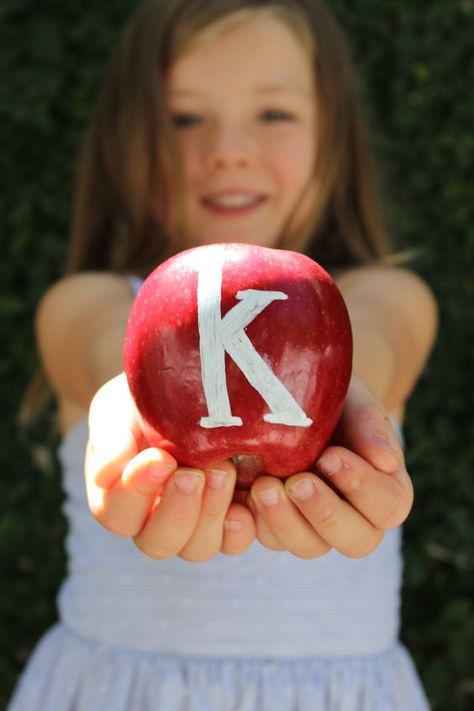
column 216, row 478
column 302, row 490
column 158, row 471
column 233, row 526
column 330, row 464
column 269, row 497
column 187, row 480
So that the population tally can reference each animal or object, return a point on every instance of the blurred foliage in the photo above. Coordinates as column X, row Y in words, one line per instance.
column 416, row 61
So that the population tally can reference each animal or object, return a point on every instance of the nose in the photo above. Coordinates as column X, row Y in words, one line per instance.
column 230, row 145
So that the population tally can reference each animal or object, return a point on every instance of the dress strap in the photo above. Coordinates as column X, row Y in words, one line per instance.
column 135, row 282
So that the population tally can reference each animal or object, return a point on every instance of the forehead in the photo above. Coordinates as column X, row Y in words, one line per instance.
column 249, row 46
column 294, row 21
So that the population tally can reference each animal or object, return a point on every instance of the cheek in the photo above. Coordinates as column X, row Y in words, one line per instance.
column 294, row 165
column 189, row 154
column 293, row 161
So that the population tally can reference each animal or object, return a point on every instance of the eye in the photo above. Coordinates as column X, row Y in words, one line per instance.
column 276, row 115
column 185, row 120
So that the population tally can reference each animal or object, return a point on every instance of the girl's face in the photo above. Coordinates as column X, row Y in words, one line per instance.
column 242, row 102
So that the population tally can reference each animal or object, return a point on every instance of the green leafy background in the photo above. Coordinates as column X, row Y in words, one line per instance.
column 416, row 61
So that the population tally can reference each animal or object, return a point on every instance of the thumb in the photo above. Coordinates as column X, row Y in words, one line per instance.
column 365, row 429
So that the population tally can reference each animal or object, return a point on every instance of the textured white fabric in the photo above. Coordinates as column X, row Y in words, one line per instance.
column 261, row 631
column 68, row 673
column 262, row 604
column 264, row 631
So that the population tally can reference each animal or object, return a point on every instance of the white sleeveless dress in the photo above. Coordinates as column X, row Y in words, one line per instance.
column 264, row 631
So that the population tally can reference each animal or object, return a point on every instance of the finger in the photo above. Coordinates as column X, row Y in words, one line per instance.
column 263, row 533
column 239, row 530
column 365, row 429
column 284, row 520
column 125, row 506
column 114, row 434
column 206, row 539
column 335, row 520
column 174, row 516
column 384, row 499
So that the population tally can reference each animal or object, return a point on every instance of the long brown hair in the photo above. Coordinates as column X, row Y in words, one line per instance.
column 130, row 137
column 120, row 169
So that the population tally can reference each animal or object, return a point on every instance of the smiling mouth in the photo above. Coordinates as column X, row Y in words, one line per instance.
column 232, row 203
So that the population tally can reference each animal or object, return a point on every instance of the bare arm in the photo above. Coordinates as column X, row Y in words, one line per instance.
column 394, row 320
column 80, row 326
column 360, row 487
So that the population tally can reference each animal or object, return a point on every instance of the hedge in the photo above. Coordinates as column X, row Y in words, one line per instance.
column 416, row 61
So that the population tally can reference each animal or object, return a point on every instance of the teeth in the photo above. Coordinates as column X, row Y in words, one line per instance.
column 233, row 200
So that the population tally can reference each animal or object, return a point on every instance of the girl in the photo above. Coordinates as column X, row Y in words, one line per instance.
column 228, row 121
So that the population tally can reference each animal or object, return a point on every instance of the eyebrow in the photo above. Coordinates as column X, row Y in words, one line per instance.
column 282, row 88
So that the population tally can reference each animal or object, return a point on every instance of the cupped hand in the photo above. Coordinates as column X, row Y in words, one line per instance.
column 360, row 489
column 140, row 492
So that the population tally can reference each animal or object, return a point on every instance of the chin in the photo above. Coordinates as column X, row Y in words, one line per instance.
column 235, row 236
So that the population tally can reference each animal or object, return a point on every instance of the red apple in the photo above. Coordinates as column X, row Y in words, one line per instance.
column 239, row 351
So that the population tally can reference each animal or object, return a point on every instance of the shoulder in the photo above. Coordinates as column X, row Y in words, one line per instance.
column 80, row 322
column 373, row 276
column 76, row 292
column 394, row 291
column 83, row 298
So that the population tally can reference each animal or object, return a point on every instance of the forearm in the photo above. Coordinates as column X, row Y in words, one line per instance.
column 393, row 317
column 375, row 361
